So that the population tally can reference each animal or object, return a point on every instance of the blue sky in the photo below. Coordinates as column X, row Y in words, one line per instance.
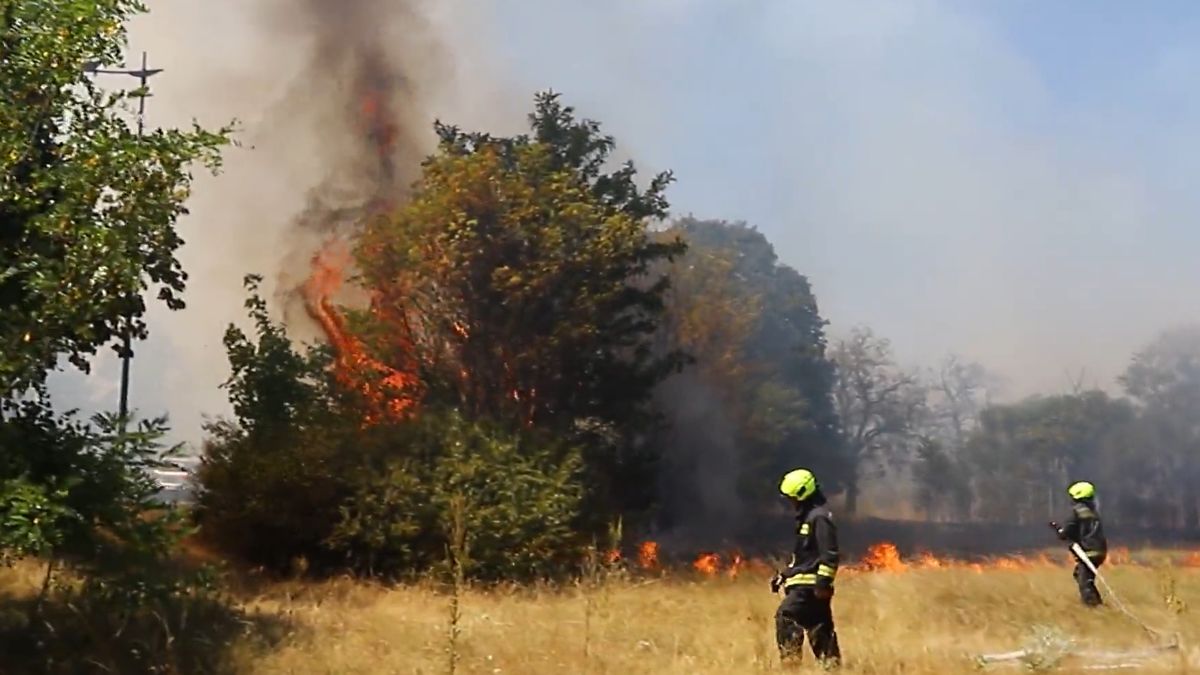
column 1011, row 181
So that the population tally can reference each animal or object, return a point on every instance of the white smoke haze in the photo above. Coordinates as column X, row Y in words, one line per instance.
column 913, row 159
column 916, row 161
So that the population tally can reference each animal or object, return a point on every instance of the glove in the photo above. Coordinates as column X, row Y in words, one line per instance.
column 777, row 582
column 823, row 593
column 1057, row 529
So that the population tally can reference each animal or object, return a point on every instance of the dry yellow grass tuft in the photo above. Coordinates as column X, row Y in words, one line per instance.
column 916, row 621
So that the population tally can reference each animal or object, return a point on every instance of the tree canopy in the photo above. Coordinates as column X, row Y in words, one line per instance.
column 521, row 277
column 521, row 283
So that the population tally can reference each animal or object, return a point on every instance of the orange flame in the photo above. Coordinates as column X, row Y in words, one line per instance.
column 929, row 561
column 708, row 564
column 390, row 393
column 648, row 555
column 1011, row 563
column 883, row 557
column 735, row 566
column 378, row 127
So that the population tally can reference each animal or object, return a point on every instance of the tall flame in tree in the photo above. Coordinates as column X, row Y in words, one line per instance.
column 389, row 392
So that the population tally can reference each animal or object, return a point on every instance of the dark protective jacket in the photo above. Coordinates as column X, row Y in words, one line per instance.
column 1084, row 528
column 815, row 558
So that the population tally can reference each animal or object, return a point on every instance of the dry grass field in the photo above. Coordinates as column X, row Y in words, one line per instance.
column 922, row 618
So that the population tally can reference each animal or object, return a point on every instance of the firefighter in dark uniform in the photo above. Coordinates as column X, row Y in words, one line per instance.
column 1083, row 527
column 808, row 580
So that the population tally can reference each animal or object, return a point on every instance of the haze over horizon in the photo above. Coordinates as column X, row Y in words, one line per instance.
column 1004, row 181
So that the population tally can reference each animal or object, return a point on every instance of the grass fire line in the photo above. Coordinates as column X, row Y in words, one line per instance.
column 880, row 557
column 1046, row 646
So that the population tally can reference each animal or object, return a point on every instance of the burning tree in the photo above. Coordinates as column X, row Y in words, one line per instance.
column 388, row 393
column 519, row 277
column 297, row 475
column 503, row 359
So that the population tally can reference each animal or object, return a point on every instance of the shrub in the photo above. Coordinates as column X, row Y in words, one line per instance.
column 520, row 495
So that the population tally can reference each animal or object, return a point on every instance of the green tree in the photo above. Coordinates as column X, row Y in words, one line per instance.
column 87, row 208
column 87, row 213
column 519, row 276
column 87, row 225
column 275, row 476
column 756, row 402
column 519, row 491
column 958, row 391
column 943, row 482
column 1042, row 444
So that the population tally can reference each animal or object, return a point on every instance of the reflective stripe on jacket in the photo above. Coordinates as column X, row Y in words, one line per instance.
column 815, row 557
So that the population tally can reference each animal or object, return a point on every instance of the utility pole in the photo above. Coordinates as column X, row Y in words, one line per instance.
column 143, row 75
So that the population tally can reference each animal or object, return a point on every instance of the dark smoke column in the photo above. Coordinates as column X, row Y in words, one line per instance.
column 360, row 85
column 358, row 92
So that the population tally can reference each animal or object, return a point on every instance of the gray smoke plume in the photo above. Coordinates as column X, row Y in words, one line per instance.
column 365, row 77
column 698, row 486
column 335, row 100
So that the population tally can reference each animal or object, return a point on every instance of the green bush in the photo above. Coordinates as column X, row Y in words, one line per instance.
column 79, row 498
column 271, row 499
column 78, row 493
column 520, row 496
column 377, row 501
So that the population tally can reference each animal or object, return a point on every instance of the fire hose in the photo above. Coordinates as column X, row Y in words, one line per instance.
column 1084, row 560
column 1052, row 649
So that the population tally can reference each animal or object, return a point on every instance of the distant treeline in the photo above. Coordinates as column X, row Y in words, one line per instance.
column 974, row 461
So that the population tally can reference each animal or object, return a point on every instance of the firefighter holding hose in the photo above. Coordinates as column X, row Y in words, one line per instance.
column 808, row 580
column 1083, row 527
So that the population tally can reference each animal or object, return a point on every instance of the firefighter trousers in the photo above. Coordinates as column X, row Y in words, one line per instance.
column 801, row 612
column 1086, row 580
